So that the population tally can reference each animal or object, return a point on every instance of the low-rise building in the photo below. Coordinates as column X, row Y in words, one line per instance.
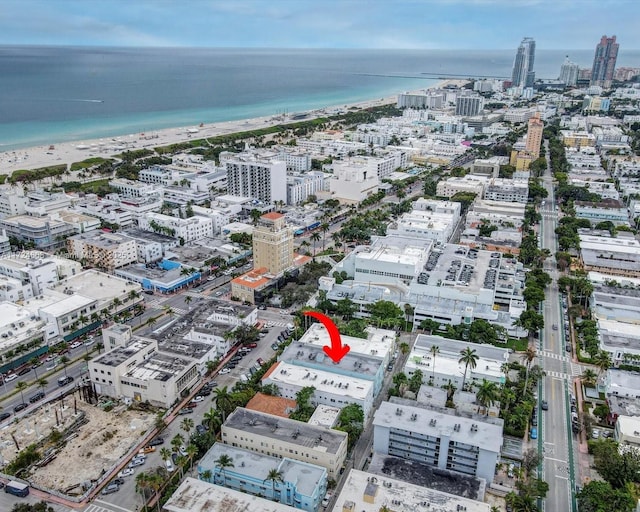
column 446, row 367
column 330, row 388
column 19, row 327
column 439, row 438
column 469, row 183
column 133, row 188
column 164, row 276
column 364, row 492
column 616, row 256
column 281, row 437
column 575, row 139
column 627, row 432
column 45, row 233
column 511, row 191
column 622, row 393
column 189, row 229
column 106, row 251
column 38, row 269
column 352, row 182
column 197, row 496
column 302, row 485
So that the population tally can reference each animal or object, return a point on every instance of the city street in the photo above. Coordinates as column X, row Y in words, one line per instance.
column 555, row 438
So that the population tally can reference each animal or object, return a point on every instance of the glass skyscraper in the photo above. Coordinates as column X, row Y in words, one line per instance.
column 604, row 61
column 523, row 74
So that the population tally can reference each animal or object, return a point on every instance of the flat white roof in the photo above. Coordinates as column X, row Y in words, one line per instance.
column 629, row 426
column 194, row 495
column 67, row 305
column 323, row 381
column 364, row 492
column 96, row 285
column 378, row 343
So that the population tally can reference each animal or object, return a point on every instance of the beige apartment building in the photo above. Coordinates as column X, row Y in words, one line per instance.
column 273, row 244
column 282, row 437
column 107, row 251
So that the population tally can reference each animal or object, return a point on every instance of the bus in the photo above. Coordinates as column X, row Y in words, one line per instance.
column 17, row 489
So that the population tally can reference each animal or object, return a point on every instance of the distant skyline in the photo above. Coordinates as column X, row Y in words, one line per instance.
column 377, row 24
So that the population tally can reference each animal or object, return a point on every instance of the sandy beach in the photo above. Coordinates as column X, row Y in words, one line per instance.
column 70, row 152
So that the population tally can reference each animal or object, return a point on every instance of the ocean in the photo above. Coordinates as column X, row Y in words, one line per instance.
column 57, row 94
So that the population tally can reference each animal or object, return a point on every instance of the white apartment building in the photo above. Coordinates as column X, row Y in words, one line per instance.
column 429, row 220
column 445, row 367
column 498, row 213
column 39, row 269
column 139, row 372
column 14, row 290
column 107, row 251
column 295, row 159
column 12, row 202
column 470, row 183
column 213, row 335
column 329, row 147
column 251, row 176
column 351, row 183
column 165, row 176
column 190, row 229
column 301, row 186
column 428, row 99
column 43, row 203
column 438, row 438
column 106, row 210
column 18, row 326
column 45, row 233
column 151, row 247
column 282, row 437
column 507, row 190
column 627, row 432
column 132, row 188
column 219, row 216
column 330, row 388
column 184, row 195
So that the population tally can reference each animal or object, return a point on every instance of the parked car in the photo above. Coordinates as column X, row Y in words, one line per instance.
column 51, row 366
column 126, row 472
column 544, row 405
column 174, row 458
column 63, row 381
column 274, row 347
column 183, row 450
column 117, row 481
column 36, row 397
column 205, row 392
column 224, row 371
column 169, row 465
column 4, row 416
column 75, row 344
column 198, row 399
column 156, row 441
column 147, row 449
column 136, row 462
column 185, row 410
column 595, row 434
column 24, row 371
column 201, row 429
column 20, row 407
column 10, row 377
column 251, row 345
column 260, row 361
column 534, row 433
column 110, row 489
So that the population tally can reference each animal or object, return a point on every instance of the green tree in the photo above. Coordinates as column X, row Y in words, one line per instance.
column 304, row 409
column 487, row 394
column 351, row 421
column 469, row 357
column 385, row 312
column 415, row 381
column 435, row 350
column 65, row 361
column 597, row 496
column 528, row 357
column 21, row 386
column 274, row 476
column 187, row 425
column 589, row 377
column 223, row 400
column 603, row 361
column 223, row 462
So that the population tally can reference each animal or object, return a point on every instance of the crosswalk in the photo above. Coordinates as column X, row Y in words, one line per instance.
column 575, row 371
column 553, row 355
column 107, row 508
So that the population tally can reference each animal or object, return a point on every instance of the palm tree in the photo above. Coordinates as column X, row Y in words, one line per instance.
column 222, row 462
column 450, row 388
column 42, row 383
column 315, row 237
column 211, row 419
column 151, row 321
column 188, row 300
column 505, row 368
column 168, row 310
column 64, row 360
column 223, row 401
column 324, row 227
column 34, row 361
column 156, row 482
column 404, row 348
column 274, row 476
column 528, row 357
column 21, row 386
column 603, row 361
column 206, row 475
column 177, row 442
column 165, row 454
column 187, row 425
column 143, row 483
column 192, row 451
column 589, row 377
column 469, row 357
column 487, row 395
column 435, row 350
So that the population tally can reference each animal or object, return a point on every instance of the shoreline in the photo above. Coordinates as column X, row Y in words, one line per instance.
column 76, row 151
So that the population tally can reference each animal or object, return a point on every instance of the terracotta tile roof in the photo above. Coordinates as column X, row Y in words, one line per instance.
column 272, row 216
column 276, row 405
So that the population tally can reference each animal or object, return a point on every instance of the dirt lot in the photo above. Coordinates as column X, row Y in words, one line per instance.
column 97, row 446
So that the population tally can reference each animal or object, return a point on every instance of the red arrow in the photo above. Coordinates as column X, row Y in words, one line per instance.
column 337, row 350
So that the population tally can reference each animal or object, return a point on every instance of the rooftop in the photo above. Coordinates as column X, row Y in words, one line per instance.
column 291, row 431
column 324, row 416
column 313, row 356
column 428, row 477
column 96, row 285
column 67, row 304
column 119, row 355
column 435, row 423
column 198, row 496
column 306, row 477
column 323, row 381
column 159, row 366
column 378, row 344
column 273, row 405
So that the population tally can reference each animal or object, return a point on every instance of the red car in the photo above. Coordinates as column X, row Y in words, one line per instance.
column 251, row 345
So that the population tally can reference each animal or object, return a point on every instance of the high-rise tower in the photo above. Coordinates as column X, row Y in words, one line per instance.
column 534, row 135
column 569, row 72
column 272, row 244
column 523, row 74
column 604, row 61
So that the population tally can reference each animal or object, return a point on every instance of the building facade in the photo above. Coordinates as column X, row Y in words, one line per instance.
column 249, row 176
column 523, row 74
column 273, row 244
column 604, row 61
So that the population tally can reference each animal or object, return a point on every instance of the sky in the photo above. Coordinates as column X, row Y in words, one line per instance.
column 393, row 24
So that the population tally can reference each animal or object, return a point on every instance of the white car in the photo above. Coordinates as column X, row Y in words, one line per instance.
column 170, row 467
column 224, row 371
column 197, row 399
column 75, row 344
column 89, row 342
column 183, row 451
column 126, row 472
column 51, row 366
column 10, row 377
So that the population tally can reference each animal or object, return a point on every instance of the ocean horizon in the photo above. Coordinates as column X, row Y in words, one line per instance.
column 61, row 94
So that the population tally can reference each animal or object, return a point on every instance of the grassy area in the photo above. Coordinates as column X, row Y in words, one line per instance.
column 93, row 187
column 29, row 175
column 89, row 162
